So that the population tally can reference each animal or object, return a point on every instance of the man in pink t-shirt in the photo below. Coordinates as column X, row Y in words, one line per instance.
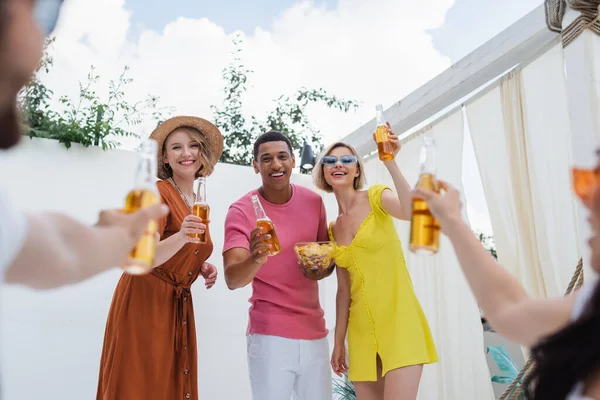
column 288, row 350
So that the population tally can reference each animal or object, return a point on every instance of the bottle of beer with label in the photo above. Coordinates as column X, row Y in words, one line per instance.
column 262, row 221
column 384, row 147
column 201, row 209
column 424, row 227
column 144, row 194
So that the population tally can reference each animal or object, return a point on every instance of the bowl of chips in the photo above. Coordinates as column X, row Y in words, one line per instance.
column 315, row 255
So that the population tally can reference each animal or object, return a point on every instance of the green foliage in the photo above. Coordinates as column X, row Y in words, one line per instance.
column 507, row 366
column 488, row 243
column 89, row 120
column 287, row 116
column 343, row 389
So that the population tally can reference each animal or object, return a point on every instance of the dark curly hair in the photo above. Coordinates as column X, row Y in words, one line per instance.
column 271, row 136
column 567, row 357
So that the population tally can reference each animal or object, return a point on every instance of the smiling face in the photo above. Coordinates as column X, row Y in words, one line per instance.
column 183, row 153
column 275, row 164
column 340, row 167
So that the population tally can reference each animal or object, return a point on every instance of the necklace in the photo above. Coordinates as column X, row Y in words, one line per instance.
column 181, row 194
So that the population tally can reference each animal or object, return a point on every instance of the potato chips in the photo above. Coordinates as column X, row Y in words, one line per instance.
column 314, row 253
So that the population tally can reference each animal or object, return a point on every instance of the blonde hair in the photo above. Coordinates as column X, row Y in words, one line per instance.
column 206, row 166
column 319, row 173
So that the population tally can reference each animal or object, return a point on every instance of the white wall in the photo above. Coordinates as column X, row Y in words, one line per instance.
column 52, row 341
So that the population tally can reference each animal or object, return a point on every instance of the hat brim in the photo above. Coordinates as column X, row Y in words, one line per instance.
column 212, row 135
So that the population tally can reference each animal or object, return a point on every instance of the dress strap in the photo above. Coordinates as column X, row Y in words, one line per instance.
column 375, row 193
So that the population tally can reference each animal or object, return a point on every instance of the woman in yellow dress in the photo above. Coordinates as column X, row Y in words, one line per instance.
column 389, row 339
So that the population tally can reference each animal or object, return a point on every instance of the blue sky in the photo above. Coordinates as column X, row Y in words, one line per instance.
column 313, row 49
column 232, row 15
column 455, row 39
column 470, row 23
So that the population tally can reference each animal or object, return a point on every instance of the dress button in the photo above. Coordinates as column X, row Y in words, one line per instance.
column 190, row 273
column 186, row 372
column 185, row 298
column 184, row 322
column 188, row 396
column 196, row 252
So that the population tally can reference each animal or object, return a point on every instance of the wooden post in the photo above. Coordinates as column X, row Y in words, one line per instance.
column 582, row 75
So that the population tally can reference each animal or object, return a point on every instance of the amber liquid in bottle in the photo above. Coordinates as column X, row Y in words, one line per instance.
column 143, row 195
column 384, row 147
column 263, row 222
column 201, row 209
column 424, row 227
column 269, row 229
column 584, row 182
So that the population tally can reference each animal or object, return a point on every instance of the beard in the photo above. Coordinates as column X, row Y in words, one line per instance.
column 10, row 127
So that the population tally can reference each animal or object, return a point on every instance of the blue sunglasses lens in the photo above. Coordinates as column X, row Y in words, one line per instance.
column 332, row 160
column 46, row 14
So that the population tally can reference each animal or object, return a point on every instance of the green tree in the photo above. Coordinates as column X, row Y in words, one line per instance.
column 488, row 243
column 89, row 119
column 287, row 116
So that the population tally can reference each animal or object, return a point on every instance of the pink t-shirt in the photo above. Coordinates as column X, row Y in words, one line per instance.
column 284, row 303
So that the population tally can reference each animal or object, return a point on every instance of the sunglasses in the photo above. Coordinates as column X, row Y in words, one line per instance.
column 46, row 14
column 345, row 160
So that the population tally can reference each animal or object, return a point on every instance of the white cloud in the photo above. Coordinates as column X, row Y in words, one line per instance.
column 373, row 51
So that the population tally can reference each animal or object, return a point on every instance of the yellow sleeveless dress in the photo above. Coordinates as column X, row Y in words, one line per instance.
column 385, row 315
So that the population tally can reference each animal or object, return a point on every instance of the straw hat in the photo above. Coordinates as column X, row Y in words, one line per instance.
column 212, row 135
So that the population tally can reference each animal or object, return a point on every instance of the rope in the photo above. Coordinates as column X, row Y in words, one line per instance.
column 589, row 18
column 555, row 11
column 515, row 388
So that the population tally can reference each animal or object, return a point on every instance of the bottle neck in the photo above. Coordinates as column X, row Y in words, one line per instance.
column 201, row 191
column 379, row 117
column 146, row 173
column 258, row 209
column 428, row 158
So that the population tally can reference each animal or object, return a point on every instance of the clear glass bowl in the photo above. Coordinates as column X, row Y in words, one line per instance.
column 315, row 254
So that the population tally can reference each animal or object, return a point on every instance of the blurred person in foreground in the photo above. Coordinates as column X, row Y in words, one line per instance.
column 45, row 250
column 562, row 332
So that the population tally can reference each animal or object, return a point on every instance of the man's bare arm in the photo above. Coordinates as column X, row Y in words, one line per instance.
column 242, row 265
column 239, row 268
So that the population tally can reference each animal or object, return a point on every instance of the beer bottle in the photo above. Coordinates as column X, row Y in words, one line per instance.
column 144, row 194
column 424, row 227
column 262, row 221
column 384, row 147
column 201, row 209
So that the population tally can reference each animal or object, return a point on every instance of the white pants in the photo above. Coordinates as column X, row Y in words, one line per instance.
column 280, row 367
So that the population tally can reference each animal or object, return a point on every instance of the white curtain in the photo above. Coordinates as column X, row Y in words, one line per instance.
column 582, row 68
column 462, row 372
column 520, row 133
column 592, row 45
column 593, row 51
